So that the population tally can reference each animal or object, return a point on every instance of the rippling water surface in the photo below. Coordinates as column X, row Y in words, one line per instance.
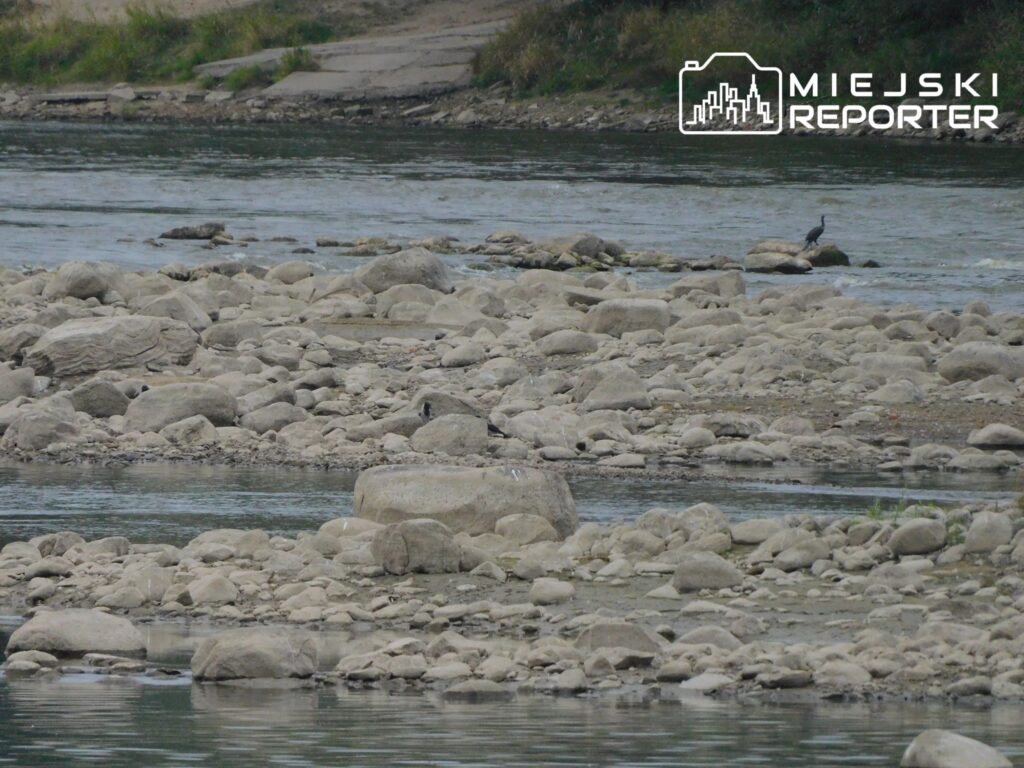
column 944, row 220
column 84, row 720
column 173, row 503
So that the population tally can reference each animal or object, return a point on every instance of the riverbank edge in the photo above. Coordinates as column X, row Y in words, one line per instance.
column 497, row 107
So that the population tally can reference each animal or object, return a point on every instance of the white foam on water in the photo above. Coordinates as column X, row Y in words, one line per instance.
column 848, row 281
column 999, row 264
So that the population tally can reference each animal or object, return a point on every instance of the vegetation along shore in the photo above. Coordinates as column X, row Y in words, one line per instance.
column 585, row 65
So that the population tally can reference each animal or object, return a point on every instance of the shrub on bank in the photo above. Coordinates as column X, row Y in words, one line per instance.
column 642, row 44
column 151, row 45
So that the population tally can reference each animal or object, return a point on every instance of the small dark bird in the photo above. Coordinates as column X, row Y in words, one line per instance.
column 427, row 413
column 814, row 234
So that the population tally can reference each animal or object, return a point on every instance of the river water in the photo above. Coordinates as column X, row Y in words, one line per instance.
column 944, row 220
column 84, row 720
column 169, row 503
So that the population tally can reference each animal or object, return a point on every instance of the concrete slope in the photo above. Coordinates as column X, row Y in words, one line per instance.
column 429, row 52
column 399, row 66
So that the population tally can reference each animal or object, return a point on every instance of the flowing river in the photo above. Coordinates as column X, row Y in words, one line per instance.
column 944, row 220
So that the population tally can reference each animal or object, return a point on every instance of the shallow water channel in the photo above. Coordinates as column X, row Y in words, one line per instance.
column 169, row 503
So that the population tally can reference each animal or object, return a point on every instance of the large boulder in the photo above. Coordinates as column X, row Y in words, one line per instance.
column 995, row 436
column 466, row 499
column 920, row 536
column 416, row 546
column 803, row 554
column 455, row 434
column 987, row 531
column 177, row 305
column 827, row 255
column 724, row 284
column 945, row 749
column 20, row 382
column 620, row 390
column 81, row 280
column 977, row 360
column 705, row 570
column 619, row 316
column 776, row 262
column 275, row 417
column 580, row 243
column 156, row 408
column 617, row 634
column 290, row 272
column 77, row 631
column 36, row 426
column 99, row 398
column 95, row 344
column 248, row 654
column 411, row 266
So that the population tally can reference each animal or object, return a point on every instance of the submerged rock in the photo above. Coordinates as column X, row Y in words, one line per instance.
column 945, row 749
column 255, row 654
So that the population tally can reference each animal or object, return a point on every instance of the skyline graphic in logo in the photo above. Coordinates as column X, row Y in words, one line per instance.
column 737, row 105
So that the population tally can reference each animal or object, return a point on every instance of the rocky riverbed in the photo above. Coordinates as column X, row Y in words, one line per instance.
column 463, row 568
column 509, row 596
column 403, row 361
column 495, row 107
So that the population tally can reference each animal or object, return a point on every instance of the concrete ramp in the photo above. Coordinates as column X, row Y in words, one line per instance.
column 394, row 66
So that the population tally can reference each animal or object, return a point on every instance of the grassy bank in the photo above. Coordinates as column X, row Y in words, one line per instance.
column 592, row 44
column 152, row 45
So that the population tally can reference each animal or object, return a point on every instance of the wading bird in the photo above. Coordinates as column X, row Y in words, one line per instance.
column 814, row 234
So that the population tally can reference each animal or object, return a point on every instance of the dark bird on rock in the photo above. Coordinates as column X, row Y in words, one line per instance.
column 814, row 234
column 427, row 413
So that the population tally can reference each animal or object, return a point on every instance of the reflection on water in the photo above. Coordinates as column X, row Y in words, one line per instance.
column 171, row 503
column 81, row 721
column 943, row 219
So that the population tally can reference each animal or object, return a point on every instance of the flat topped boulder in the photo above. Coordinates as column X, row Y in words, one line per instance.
column 156, row 408
column 75, row 632
column 466, row 499
column 413, row 266
column 255, row 653
column 95, row 344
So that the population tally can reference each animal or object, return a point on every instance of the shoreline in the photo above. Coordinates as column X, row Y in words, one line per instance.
column 495, row 108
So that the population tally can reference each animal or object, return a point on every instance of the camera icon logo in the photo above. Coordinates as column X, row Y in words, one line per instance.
column 747, row 99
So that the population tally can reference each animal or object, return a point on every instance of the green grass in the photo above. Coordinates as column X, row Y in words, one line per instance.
column 296, row 60
column 152, row 45
column 246, row 77
column 636, row 44
column 898, row 511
